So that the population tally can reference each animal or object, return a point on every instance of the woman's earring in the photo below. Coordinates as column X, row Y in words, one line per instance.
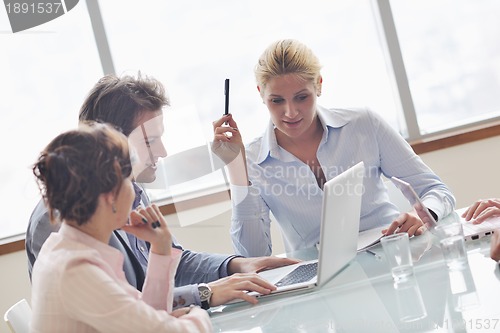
column 113, row 208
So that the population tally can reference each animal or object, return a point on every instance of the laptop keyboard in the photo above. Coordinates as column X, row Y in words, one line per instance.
column 300, row 274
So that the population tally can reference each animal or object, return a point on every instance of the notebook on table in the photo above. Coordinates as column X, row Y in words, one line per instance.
column 471, row 231
column 338, row 237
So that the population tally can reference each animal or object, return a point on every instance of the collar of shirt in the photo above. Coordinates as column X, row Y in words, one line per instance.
column 328, row 118
column 138, row 193
column 108, row 253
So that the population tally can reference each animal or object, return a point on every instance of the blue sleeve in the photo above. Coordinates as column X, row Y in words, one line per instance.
column 185, row 296
column 398, row 159
column 200, row 267
column 250, row 222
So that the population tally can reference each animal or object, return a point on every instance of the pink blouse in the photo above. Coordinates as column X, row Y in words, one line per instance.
column 78, row 285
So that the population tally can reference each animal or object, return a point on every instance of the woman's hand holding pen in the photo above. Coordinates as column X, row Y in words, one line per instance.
column 149, row 224
column 227, row 142
column 228, row 146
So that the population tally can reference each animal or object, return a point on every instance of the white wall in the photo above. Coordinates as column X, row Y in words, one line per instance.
column 470, row 170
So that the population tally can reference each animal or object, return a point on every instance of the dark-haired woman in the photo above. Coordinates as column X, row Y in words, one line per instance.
column 78, row 281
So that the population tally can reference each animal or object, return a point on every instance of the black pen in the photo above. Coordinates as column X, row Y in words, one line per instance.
column 373, row 253
column 226, row 93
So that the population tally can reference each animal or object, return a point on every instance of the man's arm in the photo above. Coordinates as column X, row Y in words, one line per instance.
column 198, row 267
column 39, row 229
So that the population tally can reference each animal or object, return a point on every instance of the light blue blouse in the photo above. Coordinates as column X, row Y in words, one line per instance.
column 286, row 187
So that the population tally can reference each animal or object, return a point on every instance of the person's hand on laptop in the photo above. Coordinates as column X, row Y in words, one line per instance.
column 408, row 222
column 237, row 286
column 243, row 279
column 257, row 264
column 481, row 210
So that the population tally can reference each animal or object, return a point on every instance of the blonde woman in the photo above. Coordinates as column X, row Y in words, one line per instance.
column 305, row 145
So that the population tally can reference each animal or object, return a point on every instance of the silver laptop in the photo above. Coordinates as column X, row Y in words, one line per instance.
column 471, row 231
column 338, row 236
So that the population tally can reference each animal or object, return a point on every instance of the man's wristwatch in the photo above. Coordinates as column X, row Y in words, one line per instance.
column 205, row 294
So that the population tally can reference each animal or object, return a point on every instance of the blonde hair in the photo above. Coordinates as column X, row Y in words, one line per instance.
column 287, row 56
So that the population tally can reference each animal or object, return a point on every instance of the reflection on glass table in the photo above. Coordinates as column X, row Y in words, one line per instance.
column 364, row 298
column 462, row 289
column 410, row 303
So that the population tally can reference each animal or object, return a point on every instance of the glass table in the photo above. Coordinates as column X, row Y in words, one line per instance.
column 364, row 298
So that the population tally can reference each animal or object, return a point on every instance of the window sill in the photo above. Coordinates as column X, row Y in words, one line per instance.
column 203, row 200
column 451, row 139
column 12, row 244
column 432, row 143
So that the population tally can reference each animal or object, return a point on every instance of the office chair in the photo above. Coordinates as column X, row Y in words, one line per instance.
column 18, row 317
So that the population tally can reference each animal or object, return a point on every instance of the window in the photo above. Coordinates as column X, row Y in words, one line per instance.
column 46, row 72
column 452, row 59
